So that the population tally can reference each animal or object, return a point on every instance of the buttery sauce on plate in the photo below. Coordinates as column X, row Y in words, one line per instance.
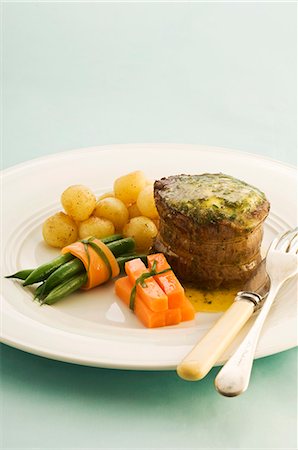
column 217, row 300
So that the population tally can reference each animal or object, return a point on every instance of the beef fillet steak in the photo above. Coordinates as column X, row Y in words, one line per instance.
column 211, row 227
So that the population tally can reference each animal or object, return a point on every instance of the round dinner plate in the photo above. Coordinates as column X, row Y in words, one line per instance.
column 95, row 328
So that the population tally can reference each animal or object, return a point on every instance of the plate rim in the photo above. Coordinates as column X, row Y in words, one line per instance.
column 109, row 147
column 194, row 147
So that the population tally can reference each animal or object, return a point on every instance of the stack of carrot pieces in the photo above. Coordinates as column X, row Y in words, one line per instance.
column 160, row 300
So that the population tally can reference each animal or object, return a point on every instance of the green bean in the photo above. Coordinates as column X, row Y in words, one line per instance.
column 62, row 274
column 66, row 272
column 118, row 247
column 122, row 247
column 42, row 272
column 66, row 288
column 38, row 291
column 21, row 275
column 113, row 238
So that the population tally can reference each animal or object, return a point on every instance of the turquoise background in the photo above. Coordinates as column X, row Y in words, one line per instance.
column 82, row 74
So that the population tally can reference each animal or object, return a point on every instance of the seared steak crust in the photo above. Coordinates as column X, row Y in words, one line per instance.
column 211, row 227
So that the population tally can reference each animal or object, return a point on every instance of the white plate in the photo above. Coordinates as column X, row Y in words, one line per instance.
column 94, row 328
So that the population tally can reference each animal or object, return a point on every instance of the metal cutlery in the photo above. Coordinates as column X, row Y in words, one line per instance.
column 281, row 264
column 208, row 350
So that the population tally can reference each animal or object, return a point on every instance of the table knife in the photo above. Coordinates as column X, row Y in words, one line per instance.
column 199, row 361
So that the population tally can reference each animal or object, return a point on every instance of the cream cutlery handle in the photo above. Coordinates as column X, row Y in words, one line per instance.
column 207, row 351
column 233, row 378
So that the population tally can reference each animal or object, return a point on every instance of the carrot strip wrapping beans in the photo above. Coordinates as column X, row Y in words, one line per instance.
column 99, row 261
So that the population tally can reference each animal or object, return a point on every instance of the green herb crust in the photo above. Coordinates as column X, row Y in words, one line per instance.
column 213, row 198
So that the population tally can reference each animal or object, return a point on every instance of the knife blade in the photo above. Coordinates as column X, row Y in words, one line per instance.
column 259, row 282
column 199, row 361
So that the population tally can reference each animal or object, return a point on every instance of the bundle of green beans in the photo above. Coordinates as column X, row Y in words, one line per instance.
column 66, row 273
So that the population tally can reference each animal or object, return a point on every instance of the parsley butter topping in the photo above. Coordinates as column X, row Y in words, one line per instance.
column 213, row 198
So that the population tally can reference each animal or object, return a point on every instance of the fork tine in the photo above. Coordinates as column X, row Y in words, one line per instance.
column 274, row 244
column 285, row 240
column 293, row 246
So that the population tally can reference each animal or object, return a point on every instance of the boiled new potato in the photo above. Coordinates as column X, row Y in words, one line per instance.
column 96, row 227
column 143, row 230
column 146, row 203
column 107, row 194
column 134, row 211
column 78, row 202
column 128, row 187
column 157, row 223
column 113, row 209
column 60, row 230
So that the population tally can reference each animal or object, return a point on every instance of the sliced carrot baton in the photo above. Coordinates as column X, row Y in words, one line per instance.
column 173, row 316
column 99, row 261
column 167, row 280
column 150, row 319
column 149, row 290
column 187, row 310
column 171, row 286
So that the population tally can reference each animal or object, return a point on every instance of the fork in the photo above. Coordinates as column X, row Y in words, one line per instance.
column 281, row 264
